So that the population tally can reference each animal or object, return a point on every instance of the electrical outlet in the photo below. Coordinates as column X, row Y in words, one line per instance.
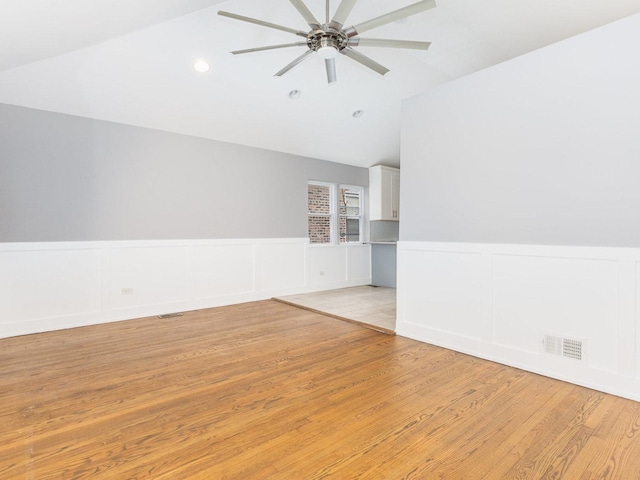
column 127, row 291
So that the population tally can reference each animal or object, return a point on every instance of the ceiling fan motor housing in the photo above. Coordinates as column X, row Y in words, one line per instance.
column 330, row 37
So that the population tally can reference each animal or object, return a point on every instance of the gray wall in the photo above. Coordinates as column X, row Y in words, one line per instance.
column 384, row 231
column 65, row 178
column 384, row 265
column 543, row 149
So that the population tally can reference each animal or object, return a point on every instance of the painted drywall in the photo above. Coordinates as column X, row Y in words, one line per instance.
column 543, row 149
column 519, row 189
column 66, row 178
column 383, row 265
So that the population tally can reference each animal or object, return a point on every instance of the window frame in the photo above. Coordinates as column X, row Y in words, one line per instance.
column 347, row 217
column 334, row 214
column 333, row 234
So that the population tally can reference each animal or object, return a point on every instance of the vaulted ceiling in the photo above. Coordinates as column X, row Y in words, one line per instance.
column 130, row 61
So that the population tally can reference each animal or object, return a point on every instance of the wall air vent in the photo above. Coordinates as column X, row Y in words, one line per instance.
column 170, row 315
column 564, row 347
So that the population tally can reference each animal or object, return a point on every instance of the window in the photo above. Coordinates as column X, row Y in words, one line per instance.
column 350, row 200
column 320, row 212
column 335, row 213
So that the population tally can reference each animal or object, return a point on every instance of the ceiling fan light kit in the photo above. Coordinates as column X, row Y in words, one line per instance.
column 327, row 52
column 331, row 38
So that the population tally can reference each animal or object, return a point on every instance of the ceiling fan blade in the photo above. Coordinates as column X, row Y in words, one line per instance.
column 331, row 70
column 344, row 9
column 379, row 42
column 270, row 47
column 364, row 60
column 262, row 23
column 306, row 13
column 391, row 17
column 297, row 61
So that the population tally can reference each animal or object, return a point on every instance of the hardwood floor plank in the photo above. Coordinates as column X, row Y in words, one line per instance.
column 268, row 391
column 614, row 450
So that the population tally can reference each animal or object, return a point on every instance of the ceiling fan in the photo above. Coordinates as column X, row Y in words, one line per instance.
column 332, row 38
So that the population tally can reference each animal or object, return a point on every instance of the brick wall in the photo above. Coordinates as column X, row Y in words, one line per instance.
column 319, row 201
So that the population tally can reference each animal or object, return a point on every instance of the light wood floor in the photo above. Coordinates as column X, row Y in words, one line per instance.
column 370, row 306
column 269, row 391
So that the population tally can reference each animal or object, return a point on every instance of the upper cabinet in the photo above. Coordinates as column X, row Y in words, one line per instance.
column 384, row 193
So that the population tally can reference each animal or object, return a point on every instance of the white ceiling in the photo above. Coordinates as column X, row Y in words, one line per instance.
column 130, row 61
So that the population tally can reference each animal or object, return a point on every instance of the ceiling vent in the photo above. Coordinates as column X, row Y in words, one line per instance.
column 564, row 347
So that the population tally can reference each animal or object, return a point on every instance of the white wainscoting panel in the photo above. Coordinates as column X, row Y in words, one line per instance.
column 281, row 266
column 218, row 270
column 637, row 320
column 359, row 268
column 327, row 264
column 498, row 301
column 33, row 292
column 446, row 291
column 564, row 297
column 338, row 266
column 154, row 276
column 49, row 286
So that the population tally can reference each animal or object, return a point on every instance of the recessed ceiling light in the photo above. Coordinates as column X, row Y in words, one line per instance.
column 295, row 94
column 358, row 113
column 201, row 66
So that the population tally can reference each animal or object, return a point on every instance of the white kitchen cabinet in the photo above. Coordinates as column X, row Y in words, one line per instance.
column 384, row 193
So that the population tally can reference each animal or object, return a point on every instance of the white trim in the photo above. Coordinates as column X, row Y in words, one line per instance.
column 333, row 210
column 359, row 217
column 51, row 286
column 494, row 300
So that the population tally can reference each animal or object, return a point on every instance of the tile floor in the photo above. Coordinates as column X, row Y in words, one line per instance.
column 372, row 306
